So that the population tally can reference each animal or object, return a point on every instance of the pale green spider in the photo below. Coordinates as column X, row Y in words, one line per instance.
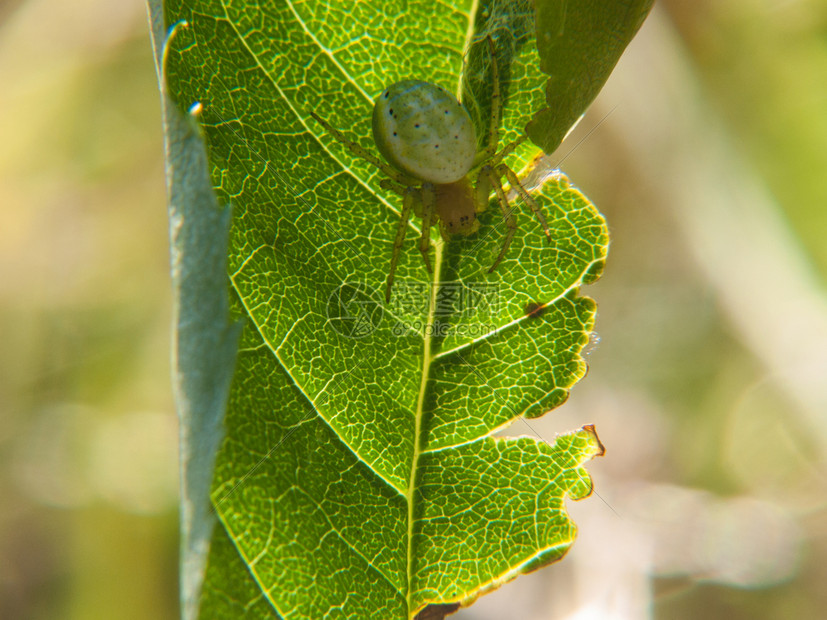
column 427, row 137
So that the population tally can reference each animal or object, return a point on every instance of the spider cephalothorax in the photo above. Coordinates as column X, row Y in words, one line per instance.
column 428, row 140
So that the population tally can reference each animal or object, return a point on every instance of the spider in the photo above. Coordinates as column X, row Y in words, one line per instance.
column 428, row 140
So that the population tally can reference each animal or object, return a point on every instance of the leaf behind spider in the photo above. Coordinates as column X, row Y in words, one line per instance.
column 579, row 43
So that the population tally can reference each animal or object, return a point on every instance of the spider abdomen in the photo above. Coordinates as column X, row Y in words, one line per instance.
column 423, row 131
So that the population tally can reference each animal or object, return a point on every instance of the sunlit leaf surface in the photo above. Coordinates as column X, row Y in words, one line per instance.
column 359, row 477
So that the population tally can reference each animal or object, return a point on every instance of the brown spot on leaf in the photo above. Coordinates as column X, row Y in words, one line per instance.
column 437, row 612
column 534, row 310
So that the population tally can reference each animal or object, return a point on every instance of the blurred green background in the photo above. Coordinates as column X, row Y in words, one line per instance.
column 708, row 380
column 88, row 466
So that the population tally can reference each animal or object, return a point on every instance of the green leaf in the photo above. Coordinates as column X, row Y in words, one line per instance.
column 580, row 42
column 359, row 476
column 229, row 590
column 204, row 340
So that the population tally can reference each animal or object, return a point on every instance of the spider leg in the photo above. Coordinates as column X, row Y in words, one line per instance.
column 496, row 106
column 362, row 153
column 428, row 208
column 508, row 215
column 401, row 229
column 482, row 190
column 508, row 149
column 402, row 190
column 393, row 186
column 518, row 187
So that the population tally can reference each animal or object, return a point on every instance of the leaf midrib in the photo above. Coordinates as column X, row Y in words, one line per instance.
column 427, row 359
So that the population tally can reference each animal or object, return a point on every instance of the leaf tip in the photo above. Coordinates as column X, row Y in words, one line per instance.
column 600, row 449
